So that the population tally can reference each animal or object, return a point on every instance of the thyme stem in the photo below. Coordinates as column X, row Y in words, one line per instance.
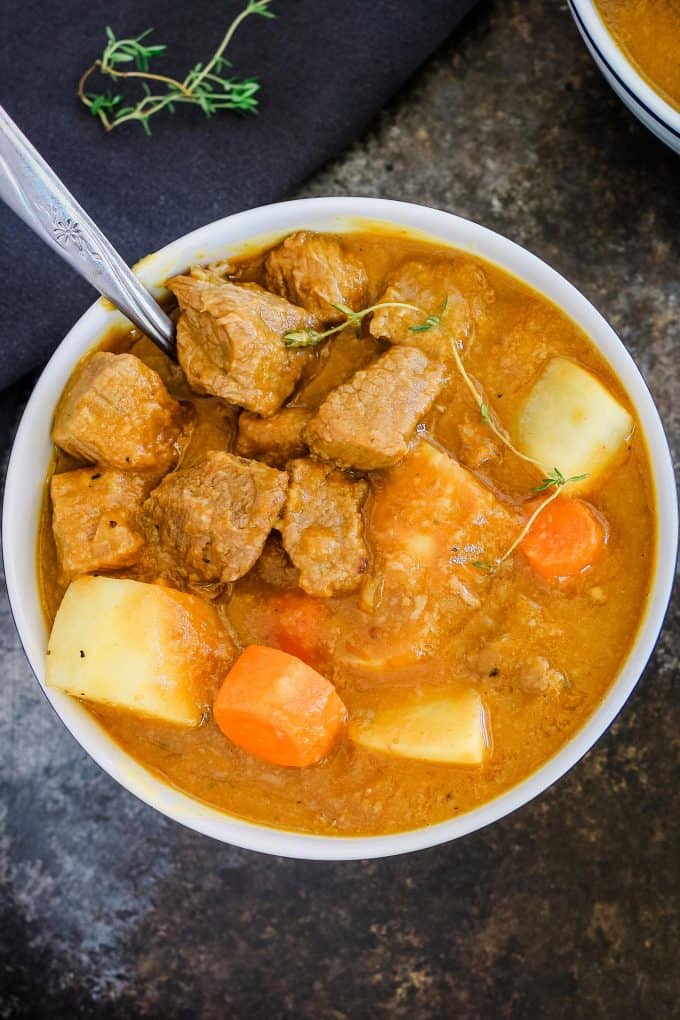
column 556, row 481
column 529, row 524
column 309, row 337
column 251, row 8
column 484, row 409
column 203, row 86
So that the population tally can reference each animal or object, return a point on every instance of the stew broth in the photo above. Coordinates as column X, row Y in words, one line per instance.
column 648, row 31
column 541, row 655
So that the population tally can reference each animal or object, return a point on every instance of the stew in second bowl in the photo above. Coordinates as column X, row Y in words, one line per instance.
column 368, row 556
column 648, row 32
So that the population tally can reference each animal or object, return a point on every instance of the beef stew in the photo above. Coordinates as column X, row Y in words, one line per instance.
column 648, row 32
column 440, row 518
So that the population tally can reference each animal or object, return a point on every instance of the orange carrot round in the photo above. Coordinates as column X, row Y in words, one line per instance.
column 565, row 538
column 278, row 708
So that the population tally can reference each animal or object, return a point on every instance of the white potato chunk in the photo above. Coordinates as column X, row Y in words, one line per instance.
column 451, row 729
column 570, row 421
column 151, row 650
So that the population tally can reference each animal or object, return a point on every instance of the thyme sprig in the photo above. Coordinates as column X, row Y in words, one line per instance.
column 432, row 321
column 558, row 479
column 555, row 481
column 309, row 337
column 205, row 85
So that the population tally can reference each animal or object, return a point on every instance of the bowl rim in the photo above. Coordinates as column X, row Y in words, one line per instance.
column 592, row 25
column 259, row 224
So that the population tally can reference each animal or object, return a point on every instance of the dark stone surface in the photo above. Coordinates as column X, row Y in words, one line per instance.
column 568, row 908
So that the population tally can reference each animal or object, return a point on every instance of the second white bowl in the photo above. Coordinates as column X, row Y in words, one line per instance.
column 638, row 95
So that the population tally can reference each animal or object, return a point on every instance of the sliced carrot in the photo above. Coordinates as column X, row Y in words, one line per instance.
column 297, row 624
column 278, row 708
column 566, row 538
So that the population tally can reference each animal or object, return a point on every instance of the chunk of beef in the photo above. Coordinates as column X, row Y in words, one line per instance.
column 316, row 272
column 323, row 529
column 212, row 519
column 366, row 422
column 118, row 413
column 339, row 359
column 95, row 519
column 230, row 341
column 432, row 288
column 214, row 429
column 274, row 566
column 170, row 372
column 274, row 440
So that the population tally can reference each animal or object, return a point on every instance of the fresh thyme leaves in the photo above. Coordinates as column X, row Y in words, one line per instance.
column 488, row 568
column 432, row 320
column 309, row 337
column 205, row 85
column 557, row 481
column 484, row 411
column 304, row 337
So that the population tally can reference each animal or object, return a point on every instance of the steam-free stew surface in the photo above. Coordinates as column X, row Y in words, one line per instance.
column 648, row 31
column 541, row 655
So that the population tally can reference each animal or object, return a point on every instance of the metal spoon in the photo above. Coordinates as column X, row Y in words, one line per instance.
column 35, row 193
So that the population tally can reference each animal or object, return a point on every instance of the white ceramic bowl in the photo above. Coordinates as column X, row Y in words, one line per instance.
column 30, row 461
column 647, row 105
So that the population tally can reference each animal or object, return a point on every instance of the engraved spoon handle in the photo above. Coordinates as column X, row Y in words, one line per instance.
column 35, row 193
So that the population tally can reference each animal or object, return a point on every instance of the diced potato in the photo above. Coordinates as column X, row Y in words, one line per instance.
column 570, row 421
column 151, row 650
column 449, row 729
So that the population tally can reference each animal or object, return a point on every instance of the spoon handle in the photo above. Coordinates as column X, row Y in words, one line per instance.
column 35, row 193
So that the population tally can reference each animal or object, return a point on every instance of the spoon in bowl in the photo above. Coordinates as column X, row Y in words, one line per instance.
column 31, row 188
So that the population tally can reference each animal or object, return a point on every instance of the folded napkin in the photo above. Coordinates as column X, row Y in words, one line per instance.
column 325, row 69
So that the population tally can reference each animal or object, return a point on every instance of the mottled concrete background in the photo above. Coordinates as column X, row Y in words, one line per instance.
column 566, row 909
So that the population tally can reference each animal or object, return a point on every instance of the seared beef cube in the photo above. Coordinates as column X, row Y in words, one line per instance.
column 214, row 428
column 274, row 440
column 316, row 272
column 169, row 371
column 322, row 527
column 429, row 288
column 274, row 566
column 118, row 413
column 230, row 341
column 338, row 361
column 213, row 518
column 95, row 519
column 366, row 422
